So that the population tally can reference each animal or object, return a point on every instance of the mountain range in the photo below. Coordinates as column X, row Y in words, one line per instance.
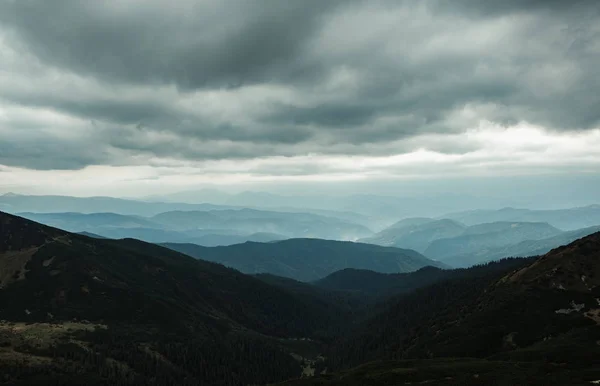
column 77, row 309
column 565, row 219
column 209, row 227
column 459, row 245
column 521, row 249
column 518, row 232
column 490, row 235
column 252, row 221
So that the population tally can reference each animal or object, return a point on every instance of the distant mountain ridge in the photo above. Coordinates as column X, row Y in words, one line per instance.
column 16, row 203
column 522, row 249
column 75, row 221
column 19, row 203
column 489, row 235
column 253, row 221
column 416, row 233
column 565, row 219
column 209, row 227
column 459, row 245
column 308, row 259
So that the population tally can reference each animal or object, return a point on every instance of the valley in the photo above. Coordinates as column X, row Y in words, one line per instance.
column 299, row 193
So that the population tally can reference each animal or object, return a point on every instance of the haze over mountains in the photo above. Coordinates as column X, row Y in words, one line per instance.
column 565, row 219
column 515, row 232
column 205, row 227
column 459, row 245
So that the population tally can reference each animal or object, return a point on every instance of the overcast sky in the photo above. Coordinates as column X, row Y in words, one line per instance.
column 132, row 97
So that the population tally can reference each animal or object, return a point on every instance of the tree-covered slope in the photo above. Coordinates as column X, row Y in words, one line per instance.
column 546, row 310
column 205, row 323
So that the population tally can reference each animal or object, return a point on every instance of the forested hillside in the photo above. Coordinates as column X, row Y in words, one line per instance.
column 128, row 312
column 533, row 324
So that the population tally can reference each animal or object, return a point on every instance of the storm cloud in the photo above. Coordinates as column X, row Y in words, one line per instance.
column 130, row 82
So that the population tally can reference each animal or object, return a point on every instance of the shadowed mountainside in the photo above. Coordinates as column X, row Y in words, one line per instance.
column 544, row 313
column 308, row 259
column 140, row 302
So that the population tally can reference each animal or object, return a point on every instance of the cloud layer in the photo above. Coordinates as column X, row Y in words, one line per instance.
column 264, row 85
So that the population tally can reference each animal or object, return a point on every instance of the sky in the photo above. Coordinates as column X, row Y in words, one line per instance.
column 132, row 98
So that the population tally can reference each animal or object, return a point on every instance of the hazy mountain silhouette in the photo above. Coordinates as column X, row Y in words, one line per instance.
column 308, row 259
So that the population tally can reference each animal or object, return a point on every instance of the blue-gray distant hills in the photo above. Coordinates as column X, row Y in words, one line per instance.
column 565, row 219
column 251, row 221
column 208, row 228
column 308, row 259
column 491, row 235
column 416, row 233
column 522, row 249
column 459, row 245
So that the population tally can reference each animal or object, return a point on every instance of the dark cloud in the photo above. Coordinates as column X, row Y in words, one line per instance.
column 241, row 80
column 192, row 44
column 45, row 153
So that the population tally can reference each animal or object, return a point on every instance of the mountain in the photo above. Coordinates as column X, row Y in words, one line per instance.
column 117, row 226
column 481, row 237
column 540, row 322
column 252, row 221
column 376, row 206
column 308, row 259
column 16, row 203
column 460, row 246
column 382, row 285
column 74, row 222
column 416, row 233
column 204, row 237
column 151, row 235
column 215, row 239
column 92, row 235
column 77, row 309
column 565, row 219
column 411, row 221
column 522, row 249
column 112, row 225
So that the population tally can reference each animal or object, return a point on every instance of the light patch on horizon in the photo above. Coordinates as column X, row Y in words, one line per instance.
column 519, row 150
